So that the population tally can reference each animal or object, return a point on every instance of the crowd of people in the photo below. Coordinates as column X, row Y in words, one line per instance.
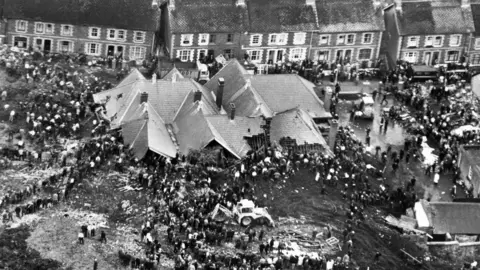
column 63, row 108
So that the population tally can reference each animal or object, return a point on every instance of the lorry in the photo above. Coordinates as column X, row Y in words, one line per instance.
column 244, row 213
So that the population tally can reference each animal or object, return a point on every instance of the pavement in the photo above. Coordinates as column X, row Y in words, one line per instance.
column 395, row 136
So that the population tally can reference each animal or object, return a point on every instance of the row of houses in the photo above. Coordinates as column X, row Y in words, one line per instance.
column 107, row 28
column 430, row 32
column 266, row 31
column 274, row 31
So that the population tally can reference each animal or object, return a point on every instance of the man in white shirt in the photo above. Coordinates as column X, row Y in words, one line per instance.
column 80, row 238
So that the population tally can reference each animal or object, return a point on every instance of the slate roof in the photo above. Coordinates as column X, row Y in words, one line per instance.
column 426, row 17
column 455, row 218
column 270, row 16
column 235, row 131
column 476, row 17
column 296, row 124
column 145, row 130
column 171, row 73
column 268, row 94
column 124, row 14
column 343, row 16
column 207, row 16
column 196, row 132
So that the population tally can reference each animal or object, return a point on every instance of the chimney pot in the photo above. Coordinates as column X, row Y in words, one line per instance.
column 143, row 97
column 221, row 86
column 232, row 111
column 197, row 96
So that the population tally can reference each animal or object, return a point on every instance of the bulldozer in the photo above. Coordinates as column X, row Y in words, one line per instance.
column 244, row 213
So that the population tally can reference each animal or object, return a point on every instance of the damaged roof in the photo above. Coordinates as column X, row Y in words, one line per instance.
column 266, row 94
column 426, row 17
column 125, row 14
column 145, row 130
column 298, row 125
column 207, row 16
column 343, row 16
column 455, row 218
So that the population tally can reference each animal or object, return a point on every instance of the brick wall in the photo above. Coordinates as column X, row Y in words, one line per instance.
column 422, row 50
column 215, row 48
column 334, row 46
column 79, row 38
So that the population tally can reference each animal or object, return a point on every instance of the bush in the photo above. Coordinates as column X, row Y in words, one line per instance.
column 15, row 253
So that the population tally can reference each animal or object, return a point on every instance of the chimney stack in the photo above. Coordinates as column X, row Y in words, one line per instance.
column 154, row 78
column 197, row 96
column 310, row 2
column 221, row 86
column 232, row 111
column 241, row 3
column 174, row 78
column 143, row 97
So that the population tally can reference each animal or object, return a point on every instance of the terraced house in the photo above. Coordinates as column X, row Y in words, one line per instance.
column 429, row 32
column 474, row 46
column 280, row 30
column 195, row 29
column 350, row 31
column 273, row 31
column 97, row 28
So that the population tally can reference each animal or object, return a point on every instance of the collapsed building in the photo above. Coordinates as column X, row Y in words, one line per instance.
column 234, row 110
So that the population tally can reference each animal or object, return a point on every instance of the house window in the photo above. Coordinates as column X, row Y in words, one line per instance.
column 203, row 39
column 139, row 36
column 350, row 39
column 20, row 42
column 184, row 55
column 324, row 39
column 49, row 28
column 452, row 56
column 39, row 28
column 364, row 54
column 65, row 46
column 137, row 53
column 323, row 55
column 412, row 42
column 340, row 39
column 118, row 35
column 186, row 40
column 255, row 40
column 255, row 55
column 93, row 49
column 299, row 38
column 66, row 30
column 297, row 54
column 367, row 38
column 477, row 43
column 428, row 41
column 228, row 53
column 94, row 32
column 438, row 41
column 475, row 59
column 410, row 57
column 455, row 40
column 229, row 37
column 213, row 38
column 21, row 26
column 277, row 39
